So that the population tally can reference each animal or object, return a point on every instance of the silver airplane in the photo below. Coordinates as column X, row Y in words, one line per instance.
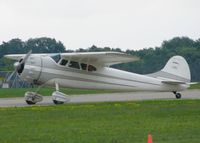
column 91, row 70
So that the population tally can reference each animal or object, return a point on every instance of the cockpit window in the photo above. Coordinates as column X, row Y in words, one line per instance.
column 74, row 64
column 56, row 58
column 63, row 62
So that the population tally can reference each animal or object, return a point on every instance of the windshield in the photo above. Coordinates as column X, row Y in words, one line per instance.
column 56, row 58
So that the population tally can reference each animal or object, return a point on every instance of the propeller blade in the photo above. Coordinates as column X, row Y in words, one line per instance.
column 26, row 57
column 11, row 75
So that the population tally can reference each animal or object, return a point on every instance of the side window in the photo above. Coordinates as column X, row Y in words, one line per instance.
column 74, row 64
column 63, row 62
column 83, row 66
column 91, row 68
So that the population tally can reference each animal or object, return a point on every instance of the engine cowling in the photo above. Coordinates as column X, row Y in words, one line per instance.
column 31, row 70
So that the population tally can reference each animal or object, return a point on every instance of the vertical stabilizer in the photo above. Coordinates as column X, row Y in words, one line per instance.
column 176, row 69
column 178, row 66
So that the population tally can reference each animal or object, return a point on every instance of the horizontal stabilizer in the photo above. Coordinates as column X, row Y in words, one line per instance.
column 174, row 82
column 191, row 83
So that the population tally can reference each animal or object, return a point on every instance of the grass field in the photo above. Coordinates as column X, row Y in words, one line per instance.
column 174, row 121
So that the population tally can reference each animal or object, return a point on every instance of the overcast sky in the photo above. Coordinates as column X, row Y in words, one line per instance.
column 125, row 24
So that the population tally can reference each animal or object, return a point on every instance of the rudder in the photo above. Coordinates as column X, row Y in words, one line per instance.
column 177, row 66
column 176, row 69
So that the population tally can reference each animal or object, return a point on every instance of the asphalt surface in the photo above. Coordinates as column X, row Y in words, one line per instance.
column 109, row 97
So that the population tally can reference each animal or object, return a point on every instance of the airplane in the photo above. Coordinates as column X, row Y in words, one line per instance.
column 91, row 70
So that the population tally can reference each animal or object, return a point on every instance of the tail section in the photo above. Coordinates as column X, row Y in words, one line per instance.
column 178, row 66
column 176, row 69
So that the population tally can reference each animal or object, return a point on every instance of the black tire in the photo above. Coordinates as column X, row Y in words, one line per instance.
column 57, row 102
column 30, row 102
column 178, row 95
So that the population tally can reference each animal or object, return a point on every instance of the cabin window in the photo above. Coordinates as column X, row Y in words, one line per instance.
column 91, row 68
column 83, row 66
column 74, row 64
column 63, row 62
column 77, row 65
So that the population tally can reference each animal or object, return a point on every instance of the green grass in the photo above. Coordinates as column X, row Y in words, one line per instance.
column 19, row 92
column 1, row 78
column 195, row 86
column 174, row 121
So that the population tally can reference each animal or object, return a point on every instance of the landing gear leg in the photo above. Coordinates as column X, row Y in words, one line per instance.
column 177, row 94
column 59, row 97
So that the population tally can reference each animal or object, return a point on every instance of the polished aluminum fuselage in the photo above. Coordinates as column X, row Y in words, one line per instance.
column 44, row 70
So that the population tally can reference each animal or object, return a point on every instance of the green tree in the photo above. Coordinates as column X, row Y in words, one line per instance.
column 44, row 45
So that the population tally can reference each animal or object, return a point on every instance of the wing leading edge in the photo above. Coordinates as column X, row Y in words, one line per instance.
column 96, row 58
column 101, row 58
column 19, row 56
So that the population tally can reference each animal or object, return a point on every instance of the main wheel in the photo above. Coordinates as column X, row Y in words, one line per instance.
column 178, row 95
column 57, row 102
column 30, row 102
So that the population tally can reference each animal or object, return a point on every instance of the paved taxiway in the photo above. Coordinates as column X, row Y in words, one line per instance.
column 109, row 97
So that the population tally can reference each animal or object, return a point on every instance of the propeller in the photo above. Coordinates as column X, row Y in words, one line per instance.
column 19, row 65
column 26, row 57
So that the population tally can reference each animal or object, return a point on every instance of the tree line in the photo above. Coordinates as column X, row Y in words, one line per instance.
column 151, row 60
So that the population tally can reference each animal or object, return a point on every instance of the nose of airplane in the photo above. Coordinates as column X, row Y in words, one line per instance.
column 19, row 66
column 16, row 64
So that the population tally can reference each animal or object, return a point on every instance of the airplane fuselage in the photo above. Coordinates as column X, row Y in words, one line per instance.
column 44, row 70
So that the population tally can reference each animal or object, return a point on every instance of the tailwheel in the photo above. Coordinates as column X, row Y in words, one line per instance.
column 177, row 94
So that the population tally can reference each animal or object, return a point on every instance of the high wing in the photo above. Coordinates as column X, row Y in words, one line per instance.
column 19, row 56
column 100, row 58
column 96, row 58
